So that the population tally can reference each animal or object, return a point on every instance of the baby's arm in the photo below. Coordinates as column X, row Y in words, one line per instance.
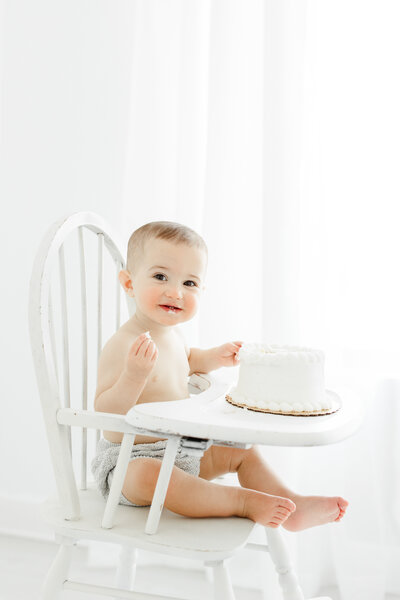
column 120, row 385
column 204, row 361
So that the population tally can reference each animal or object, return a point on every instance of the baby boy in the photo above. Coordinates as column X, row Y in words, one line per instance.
column 146, row 360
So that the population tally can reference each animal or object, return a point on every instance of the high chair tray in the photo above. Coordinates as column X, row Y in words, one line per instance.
column 215, row 419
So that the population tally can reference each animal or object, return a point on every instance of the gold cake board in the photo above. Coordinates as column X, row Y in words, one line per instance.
column 336, row 404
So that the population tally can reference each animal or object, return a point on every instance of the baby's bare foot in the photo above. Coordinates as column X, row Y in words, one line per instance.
column 265, row 509
column 315, row 510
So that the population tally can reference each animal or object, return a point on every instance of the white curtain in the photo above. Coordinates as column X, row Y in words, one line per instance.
column 1, row 62
column 272, row 128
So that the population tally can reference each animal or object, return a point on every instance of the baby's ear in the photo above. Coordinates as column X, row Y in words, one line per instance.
column 126, row 281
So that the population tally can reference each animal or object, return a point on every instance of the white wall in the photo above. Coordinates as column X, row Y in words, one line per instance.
column 64, row 105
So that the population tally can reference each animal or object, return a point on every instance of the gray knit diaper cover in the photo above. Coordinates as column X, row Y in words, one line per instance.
column 107, row 453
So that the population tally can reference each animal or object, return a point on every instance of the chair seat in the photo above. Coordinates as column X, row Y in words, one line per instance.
column 202, row 538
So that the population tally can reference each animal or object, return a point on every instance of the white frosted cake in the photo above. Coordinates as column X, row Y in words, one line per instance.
column 281, row 379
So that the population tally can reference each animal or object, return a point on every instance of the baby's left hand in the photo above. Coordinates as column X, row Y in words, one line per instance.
column 227, row 354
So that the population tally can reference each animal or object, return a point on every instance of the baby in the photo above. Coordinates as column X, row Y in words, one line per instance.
column 146, row 360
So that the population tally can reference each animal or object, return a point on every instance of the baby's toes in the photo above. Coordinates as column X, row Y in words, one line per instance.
column 273, row 524
column 339, row 518
column 286, row 504
column 341, row 514
column 342, row 506
column 282, row 513
column 277, row 520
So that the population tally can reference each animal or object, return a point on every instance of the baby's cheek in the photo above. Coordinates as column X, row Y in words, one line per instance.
column 151, row 297
column 191, row 303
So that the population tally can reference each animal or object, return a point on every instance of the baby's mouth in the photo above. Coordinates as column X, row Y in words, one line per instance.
column 170, row 308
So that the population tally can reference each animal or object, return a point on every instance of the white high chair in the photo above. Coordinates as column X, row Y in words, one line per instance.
column 59, row 351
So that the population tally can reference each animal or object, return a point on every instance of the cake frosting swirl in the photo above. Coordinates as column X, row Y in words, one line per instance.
column 282, row 379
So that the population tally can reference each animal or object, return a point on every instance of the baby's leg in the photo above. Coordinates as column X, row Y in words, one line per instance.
column 254, row 472
column 195, row 497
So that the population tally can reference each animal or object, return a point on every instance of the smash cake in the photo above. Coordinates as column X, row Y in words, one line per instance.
column 286, row 380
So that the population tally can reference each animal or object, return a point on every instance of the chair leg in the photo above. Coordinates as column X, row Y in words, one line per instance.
column 126, row 568
column 280, row 557
column 160, row 492
column 223, row 589
column 118, row 480
column 58, row 572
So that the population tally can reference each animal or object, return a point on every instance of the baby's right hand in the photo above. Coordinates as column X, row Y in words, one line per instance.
column 141, row 358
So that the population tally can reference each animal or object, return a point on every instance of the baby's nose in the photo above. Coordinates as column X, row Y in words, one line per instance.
column 174, row 292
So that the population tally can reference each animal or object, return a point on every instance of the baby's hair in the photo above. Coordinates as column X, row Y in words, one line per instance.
column 164, row 230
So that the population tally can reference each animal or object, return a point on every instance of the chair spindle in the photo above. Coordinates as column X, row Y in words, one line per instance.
column 52, row 335
column 100, row 246
column 100, row 238
column 118, row 298
column 84, row 355
column 64, row 322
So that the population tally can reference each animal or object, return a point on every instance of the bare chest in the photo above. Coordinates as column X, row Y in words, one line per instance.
column 169, row 378
column 167, row 381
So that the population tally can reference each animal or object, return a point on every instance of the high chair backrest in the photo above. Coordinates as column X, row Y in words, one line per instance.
column 74, row 306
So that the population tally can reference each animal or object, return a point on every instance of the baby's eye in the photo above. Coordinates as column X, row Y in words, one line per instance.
column 160, row 276
column 190, row 283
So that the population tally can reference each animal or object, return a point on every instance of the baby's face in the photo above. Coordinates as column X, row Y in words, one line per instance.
column 168, row 281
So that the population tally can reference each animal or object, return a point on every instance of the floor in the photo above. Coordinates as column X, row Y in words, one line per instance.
column 23, row 565
column 33, row 558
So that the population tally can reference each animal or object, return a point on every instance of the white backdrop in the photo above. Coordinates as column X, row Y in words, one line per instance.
column 64, row 104
column 270, row 127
